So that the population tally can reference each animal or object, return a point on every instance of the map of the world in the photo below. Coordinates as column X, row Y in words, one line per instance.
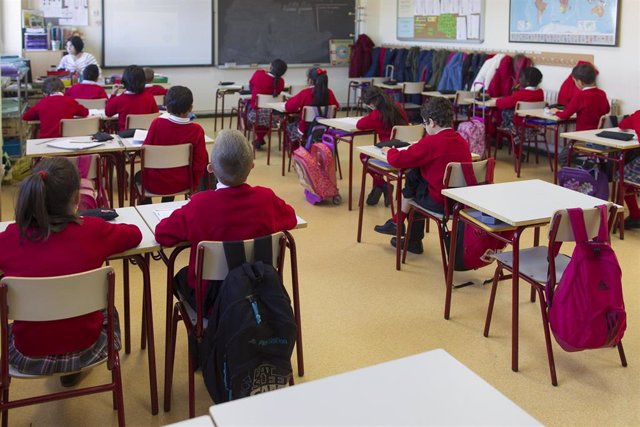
column 590, row 22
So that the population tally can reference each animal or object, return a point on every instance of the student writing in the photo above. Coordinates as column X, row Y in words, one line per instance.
column 133, row 100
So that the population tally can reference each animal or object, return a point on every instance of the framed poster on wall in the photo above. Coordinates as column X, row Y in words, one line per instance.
column 587, row 22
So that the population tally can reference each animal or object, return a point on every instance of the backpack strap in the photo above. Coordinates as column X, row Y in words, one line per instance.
column 603, row 230
column 263, row 249
column 576, row 217
column 234, row 253
column 469, row 174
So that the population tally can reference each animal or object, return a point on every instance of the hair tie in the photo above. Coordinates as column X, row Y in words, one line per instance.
column 43, row 174
column 320, row 71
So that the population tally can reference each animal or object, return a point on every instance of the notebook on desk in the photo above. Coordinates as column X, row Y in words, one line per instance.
column 621, row 136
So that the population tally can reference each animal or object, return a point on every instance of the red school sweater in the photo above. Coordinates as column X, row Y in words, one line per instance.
column 172, row 130
column 130, row 103
column 631, row 122
column 155, row 90
column 77, row 248
column 373, row 121
column 524, row 95
column 588, row 105
column 432, row 154
column 233, row 213
column 303, row 99
column 50, row 110
column 262, row 84
column 86, row 91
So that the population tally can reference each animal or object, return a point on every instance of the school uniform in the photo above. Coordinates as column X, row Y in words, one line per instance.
column 631, row 122
column 588, row 106
column 528, row 94
column 50, row 110
column 155, row 90
column 130, row 103
column 261, row 83
column 632, row 169
column 86, row 89
column 77, row 248
column 173, row 130
column 303, row 99
column 77, row 63
column 373, row 121
column 228, row 213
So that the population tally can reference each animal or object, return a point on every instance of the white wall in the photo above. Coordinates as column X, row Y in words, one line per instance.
column 619, row 66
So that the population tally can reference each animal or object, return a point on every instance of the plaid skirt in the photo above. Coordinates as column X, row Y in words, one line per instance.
column 259, row 116
column 293, row 133
column 632, row 171
column 69, row 362
column 507, row 123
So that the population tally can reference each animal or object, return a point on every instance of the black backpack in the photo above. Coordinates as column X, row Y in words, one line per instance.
column 315, row 130
column 251, row 332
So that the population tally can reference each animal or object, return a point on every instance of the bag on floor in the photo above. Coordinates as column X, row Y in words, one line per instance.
column 587, row 180
column 586, row 309
column 251, row 331
column 473, row 132
column 317, row 172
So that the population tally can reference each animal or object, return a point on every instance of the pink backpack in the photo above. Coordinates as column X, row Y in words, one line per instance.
column 586, row 307
column 92, row 195
column 473, row 132
column 316, row 171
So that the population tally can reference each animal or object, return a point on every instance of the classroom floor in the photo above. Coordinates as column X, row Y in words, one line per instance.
column 357, row 310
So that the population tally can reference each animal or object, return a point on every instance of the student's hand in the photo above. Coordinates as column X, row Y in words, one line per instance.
column 553, row 111
column 385, row 150
column 116, row 88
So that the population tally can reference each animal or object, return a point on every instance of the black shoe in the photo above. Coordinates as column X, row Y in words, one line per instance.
column 374, row 197
column 258, row 143
column 414, row 247
column 389, row 228
column 70, row 380
column 388, row 194
column 631, row 223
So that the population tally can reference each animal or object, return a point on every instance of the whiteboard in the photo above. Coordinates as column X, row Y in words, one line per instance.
column 157, row 32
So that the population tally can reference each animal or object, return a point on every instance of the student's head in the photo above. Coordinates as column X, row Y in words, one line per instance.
column 133, row 79
column 231, row 158
column 530, row 77
column 148, row 74
column 48, row 198
column 179, row 100
column 74, row 45
column 52, row 85
column 379, row 100
column 91, row 72
column 584, row 74
column 437, row 113
column 278, row 68
column 318, row 78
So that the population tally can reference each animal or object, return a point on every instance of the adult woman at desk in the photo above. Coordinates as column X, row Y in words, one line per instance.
column 76, row 60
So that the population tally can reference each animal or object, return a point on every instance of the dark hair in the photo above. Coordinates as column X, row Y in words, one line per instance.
column 51, row 85
column 77, row 43
column 91, row 72
column 391, row 114
column 44, row 199
column 133, row 79
column 149, row 74
column 278, row 68
column 439, row 110
column 586, row 73
column 530, row 76
column 179, row 100
column 320, row 81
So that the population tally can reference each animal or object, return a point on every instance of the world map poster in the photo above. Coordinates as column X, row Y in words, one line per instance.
column 590, row 22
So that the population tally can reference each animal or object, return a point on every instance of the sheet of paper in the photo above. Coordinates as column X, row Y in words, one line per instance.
column 473, row 27
column 461, row 28
column 139, row 136
column 74, row 145
column 163, row 213
column 350, row 120
column 405, row 9
column 476, row 6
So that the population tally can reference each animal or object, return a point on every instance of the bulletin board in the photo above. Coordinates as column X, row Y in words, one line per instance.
column 459, row 21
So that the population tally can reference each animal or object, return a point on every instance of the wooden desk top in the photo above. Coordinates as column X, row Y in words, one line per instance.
column 521, row 203
column 40, row 148
column 347, row 124
column 436, row 94
column 427, row 389
column 589, row 136
column 278, row 106
column 397, row 86
column 540, row 114
column 376, row 153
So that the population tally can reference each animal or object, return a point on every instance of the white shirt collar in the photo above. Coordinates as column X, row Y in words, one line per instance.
column 57, row 94
column 148, row 85
column 175, row 119
column 530, row 88
column 220, row 186
column 89, row 82
column 590, row 87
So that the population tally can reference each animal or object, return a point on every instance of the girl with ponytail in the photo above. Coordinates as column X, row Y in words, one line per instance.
column 264, row 83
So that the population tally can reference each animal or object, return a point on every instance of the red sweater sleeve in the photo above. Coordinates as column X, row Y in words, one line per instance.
column 173, row 230
column 285, row 215
column 333, row 100
column 572, row 108
column 411, row 157
column 370, row 121
column 32, row 113
column 507, row 102
column 111, row 109
column 631, row 122
column 115, row 238
column 296, row 102
column 200, row 158
column 80, row 110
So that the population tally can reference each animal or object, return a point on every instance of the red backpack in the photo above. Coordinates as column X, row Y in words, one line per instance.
column 586, row 308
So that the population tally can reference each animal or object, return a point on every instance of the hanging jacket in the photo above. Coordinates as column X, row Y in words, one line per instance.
column 411, row 64
column 487, row 71
column 520, row 62
column 466, row 70
column 502, row 81
column 437, row 65
column 389, row 58
column 360, row 58
column 452, row 74
column 398, row 65
column 568, row 89
column 424, row 65
column 375, row 60
column 478, row 60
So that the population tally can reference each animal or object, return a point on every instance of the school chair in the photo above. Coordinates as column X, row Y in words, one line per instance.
column 542, row 265
column 296, row 89
column 162, row 157
column 159, row 100
column 453, row 178
column 79, row 127
column 272, row 122
column 461, row 110
column 92, row 187
column 93, row 104
column 211, row 264
column 140, row 121
column 56, row 298
column 356, row 87
column 412, row 89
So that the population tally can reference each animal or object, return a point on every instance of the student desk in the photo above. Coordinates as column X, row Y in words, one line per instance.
column 221, row 92
column 280, row 107
column 436, row 94
column 519, row 204
column 356, row 83
column 151, row 215
column 430, row 388
column 607, row 149
column 347, row 125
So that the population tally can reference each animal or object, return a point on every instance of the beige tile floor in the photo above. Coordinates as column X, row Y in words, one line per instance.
column 358, row 311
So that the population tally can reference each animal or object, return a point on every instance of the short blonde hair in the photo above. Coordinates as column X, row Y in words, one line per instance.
column 231, row 158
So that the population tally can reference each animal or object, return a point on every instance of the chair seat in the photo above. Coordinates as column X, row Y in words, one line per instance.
column 432, row 214
column 150, row 194
column 533, row 263
column 540, row 122
column 192, row 313
column 13, row 372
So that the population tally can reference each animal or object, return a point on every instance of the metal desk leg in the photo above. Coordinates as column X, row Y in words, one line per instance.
column 215, row 112
column 398, row 221
column 515, row 291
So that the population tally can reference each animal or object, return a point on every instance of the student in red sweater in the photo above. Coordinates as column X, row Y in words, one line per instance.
column 384, row 116
column 134, row 100
column 590, row 104
column 88, row 88
column 174, row 128
column 318, row 95
column 632, row 174
column 50, row 239
column 430, row 157
column 149, row 87
column 54, row 107
column 264, row 83
column 234, row 211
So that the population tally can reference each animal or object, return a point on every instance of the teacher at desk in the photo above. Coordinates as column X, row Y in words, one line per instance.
column 76, row 60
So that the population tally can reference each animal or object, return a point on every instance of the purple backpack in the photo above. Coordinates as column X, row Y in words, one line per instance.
column 586, row 309
column 591, row 181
